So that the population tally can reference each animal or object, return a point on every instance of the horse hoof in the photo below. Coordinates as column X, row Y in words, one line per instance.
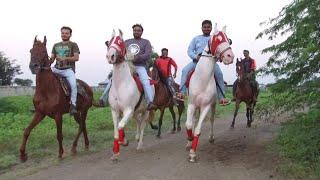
column 125, row 143
column 23, row 157
column 179, row 129
column 248, row 125
column 192, row 158
column 173, row 131
column 73, row 151
column 188, row 146
column 211, row 140
column 86, row 148
column 115, row 157
column 232, row 127
column 158, row 136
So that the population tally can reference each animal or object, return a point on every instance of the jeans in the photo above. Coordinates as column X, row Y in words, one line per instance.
column 71, row 78
column 218, row 75
column 105, row 95
column 144, row 78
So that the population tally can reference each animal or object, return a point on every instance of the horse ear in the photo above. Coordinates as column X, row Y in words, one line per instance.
column 224, row 29
column 113, row 33
column 107, row 43
column 238, row 60
column 35, row 40
column 120, row 32
column 215, row 29
column 45, row 40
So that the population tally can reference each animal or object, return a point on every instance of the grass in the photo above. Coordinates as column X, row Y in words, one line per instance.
column 42, row 146
column 299, row 143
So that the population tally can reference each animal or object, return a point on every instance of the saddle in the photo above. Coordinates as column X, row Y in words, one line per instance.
column 66, row 87
column 139, row 83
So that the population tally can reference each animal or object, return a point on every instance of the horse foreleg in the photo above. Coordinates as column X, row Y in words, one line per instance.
column 173, row 118
column 235, row 113
column 37, row 117
column 160, row 122
column 58, row 119
column 116, row 148
column 189, row 124
column 248, row 116
column 213, row 111
column 197, row 132
column 126, row 117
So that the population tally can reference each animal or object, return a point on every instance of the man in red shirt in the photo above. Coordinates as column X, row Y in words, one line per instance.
column 164, row 63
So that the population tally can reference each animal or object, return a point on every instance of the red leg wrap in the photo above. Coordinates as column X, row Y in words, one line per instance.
column 190, row 135
column 195, row 143
column 116, row 147
column 121, row 135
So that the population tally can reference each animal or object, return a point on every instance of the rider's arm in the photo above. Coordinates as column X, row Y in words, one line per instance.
column 173, row 63
column 191, row 50
column 141, row 58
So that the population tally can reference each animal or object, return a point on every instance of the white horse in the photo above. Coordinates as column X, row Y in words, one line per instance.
column 202, row 88
column 125, row 99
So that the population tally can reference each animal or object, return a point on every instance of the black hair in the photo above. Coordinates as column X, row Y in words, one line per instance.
column 164, row 49
column 246, row 51
column 67, row 28
column 206, row 22
column 137, row 25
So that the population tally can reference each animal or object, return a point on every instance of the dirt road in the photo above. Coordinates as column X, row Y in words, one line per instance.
column 236, row 154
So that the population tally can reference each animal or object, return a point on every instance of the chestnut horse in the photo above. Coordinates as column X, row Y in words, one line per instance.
column 50, row 100
column 163, row 100
column 244, row 93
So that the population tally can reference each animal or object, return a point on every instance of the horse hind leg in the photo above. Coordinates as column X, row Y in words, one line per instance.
column 37, row 118
column 75, row 142
column 142, row 126
column 213, row 110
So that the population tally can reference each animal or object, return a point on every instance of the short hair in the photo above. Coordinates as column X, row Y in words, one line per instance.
column 206, row 22
column 137, row 25
column 67, row 28
column 246, row 51
column 164, row 49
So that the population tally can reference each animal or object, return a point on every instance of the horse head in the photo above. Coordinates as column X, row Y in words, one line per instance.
column 219, row 46
column 154, row 73
column 240, row 70
column 39, row 56
column 116, row 48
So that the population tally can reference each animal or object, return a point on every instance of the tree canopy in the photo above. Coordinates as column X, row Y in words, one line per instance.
column 8, row 69
column 295, row 62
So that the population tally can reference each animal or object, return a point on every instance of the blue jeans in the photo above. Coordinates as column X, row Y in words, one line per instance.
column 144, row 78
column 105, row 95
column 71, row 78
column 217, row 72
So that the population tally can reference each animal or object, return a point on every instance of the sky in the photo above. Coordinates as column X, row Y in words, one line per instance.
column 167, row 23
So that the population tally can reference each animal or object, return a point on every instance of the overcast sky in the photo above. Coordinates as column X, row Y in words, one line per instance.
column 167, row 23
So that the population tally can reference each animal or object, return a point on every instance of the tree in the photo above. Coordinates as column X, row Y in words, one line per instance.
column 295, row 62
column 7, row 70
column 23, row 82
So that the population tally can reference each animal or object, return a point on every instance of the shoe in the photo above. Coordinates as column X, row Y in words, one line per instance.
column 177, row 98
column 73, row 110
column 151, row 106
column 224, row 102
column 233, row 99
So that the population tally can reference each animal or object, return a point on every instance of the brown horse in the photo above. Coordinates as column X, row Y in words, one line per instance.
column 163, row 100
column 244, row 93
column 50, row 100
